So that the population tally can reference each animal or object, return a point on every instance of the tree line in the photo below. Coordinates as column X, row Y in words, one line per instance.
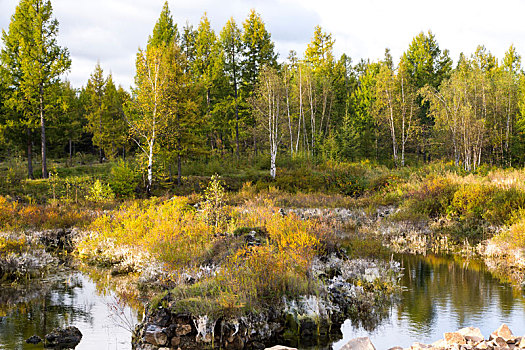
column 201, row 94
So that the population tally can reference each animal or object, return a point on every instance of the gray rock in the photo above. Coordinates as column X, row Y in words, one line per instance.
column 155, row 335
column 35, row 339
column 363, row 343
column 69, row 336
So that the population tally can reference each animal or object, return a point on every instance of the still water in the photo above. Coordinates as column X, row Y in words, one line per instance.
column 440, row 295
column 71, row 299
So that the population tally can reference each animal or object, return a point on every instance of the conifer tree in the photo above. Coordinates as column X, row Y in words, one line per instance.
column 95, row 107
column 34, row 63
column 259, row 51
column 232, row 48
column 165, row 31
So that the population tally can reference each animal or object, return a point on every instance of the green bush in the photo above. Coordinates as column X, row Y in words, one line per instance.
column 123, row 180
column 100, row 193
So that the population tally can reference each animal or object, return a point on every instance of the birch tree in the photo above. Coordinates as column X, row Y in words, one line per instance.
column 269, row 107
column 145, row 114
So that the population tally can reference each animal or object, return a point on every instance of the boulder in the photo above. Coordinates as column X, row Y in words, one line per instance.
column 471, row 333
column 183, row 329
column 35, row 339
column 504, row 332
column 63, row 337
column 454, row 338
column 155, row 335
column 280, row 347
column 499, row 341
column 363, row 343
column 521, row 344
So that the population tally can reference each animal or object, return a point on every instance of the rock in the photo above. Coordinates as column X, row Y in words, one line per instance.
column 69, row 336
column 363, row 343
column 396, row 348
column 175, row 341
column 183, row 329
column 471, row 333
column 504, row 332
column 280, row 347
column 441, row 343
column 35, row 339
column 155, row 335
column 499, row 341
column 454, row 338
column 482, row 346
column 521, row 344
column 418, row 345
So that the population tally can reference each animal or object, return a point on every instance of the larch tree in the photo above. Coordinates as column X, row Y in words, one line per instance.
column 183, row 134
column 231, row 44
column 96, row 108
column 34, row 62
column 259, row 50
column 426, row 65
column 165, row 31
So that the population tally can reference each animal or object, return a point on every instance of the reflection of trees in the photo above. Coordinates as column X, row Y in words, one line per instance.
column 39, row 307
column 460, row 288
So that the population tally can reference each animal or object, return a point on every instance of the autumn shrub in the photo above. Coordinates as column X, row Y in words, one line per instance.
column 514, row 235
column 10, row 244
column 489, row 203
column 171, row 230
column 264, row 273
column 430, row 199
column 15, row 216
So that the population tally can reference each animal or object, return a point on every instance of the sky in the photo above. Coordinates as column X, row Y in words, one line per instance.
column 111, row 31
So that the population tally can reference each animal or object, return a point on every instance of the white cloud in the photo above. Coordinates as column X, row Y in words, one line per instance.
column 112, row 30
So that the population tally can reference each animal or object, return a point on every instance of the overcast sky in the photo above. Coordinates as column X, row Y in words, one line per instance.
column 112, row 30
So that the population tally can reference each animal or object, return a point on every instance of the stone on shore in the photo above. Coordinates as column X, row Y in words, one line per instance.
column 155, row 335
column 504, row 332
column 61, row 337
column 363, row 343
column 280, row 347
column 454, row 338
column 35, row 339
column 471, row 333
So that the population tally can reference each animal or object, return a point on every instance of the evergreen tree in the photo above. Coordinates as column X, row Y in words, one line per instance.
column 259, row 51
column 96, row 108
column 34, row 63
column 165, row 31
column 232, row 49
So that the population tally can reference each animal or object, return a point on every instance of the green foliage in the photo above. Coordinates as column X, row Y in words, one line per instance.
column 165, row 31
column 100, row 192
column 123, row 180
column 213, row 204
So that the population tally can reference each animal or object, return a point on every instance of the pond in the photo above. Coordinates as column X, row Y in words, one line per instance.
column 443, row 295
column 70, row 298
column 440, row 295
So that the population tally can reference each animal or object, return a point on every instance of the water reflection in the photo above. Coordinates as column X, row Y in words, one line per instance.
column 443, row 295
column 68, row 299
